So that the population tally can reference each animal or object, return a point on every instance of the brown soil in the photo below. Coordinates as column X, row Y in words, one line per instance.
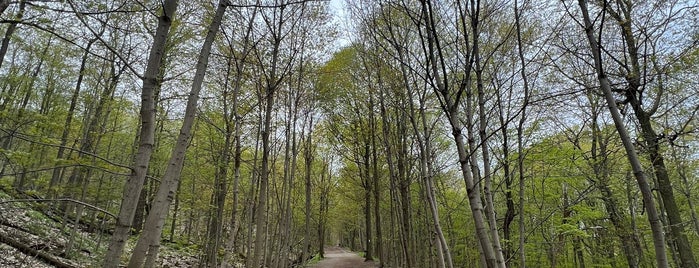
column 336, row 257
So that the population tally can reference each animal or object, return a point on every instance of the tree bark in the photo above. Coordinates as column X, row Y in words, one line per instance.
column 11, row 28
column 58, row 172
column 653, row 218
column 375, row 180
column 237, row 154
column 485, row 153
column 3, row 5
column 520, row 137
column 308, row 157
column 651, row 138
column 133, row 186
column 450, row 106
column 149, row 241
column 366, row 177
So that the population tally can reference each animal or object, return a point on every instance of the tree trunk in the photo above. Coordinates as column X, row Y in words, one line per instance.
column 237, row 154
column 653, row 218
column 375, row 180
column 630, row 243
column 450, row 106
column 324, row 202
column 650, row 137
column 133, row 186
column 488, row 183
column 520, row 137
column 58, row 172
column 367, row 201
column 308, row 156
column 11, row 28
column 149, row 241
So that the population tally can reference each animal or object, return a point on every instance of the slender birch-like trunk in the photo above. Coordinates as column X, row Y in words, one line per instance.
column 643, row 185
column 133, row 186
column 149, row 242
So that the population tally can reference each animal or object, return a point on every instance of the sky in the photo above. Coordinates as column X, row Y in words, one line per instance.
column 341, row 19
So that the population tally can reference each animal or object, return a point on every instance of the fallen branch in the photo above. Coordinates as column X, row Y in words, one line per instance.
column 43, row 256
column 59, row 200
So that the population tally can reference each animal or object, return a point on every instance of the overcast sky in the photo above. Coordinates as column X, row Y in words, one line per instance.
column 338, row 8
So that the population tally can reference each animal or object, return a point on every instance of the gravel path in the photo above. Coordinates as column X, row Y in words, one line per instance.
column 336, row 257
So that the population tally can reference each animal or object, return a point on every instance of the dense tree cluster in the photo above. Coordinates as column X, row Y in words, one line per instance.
column 473, row 133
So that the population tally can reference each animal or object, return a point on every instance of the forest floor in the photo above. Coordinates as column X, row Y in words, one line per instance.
column 336, row 257
column 31, row 235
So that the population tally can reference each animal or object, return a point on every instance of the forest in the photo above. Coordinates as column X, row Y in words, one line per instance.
column 407, row 133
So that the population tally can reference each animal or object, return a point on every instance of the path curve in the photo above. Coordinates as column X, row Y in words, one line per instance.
column 336, row 257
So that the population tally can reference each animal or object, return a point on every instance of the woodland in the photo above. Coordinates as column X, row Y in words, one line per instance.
column 416, row 133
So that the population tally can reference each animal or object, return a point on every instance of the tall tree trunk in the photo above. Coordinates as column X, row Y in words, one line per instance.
column 426, row 168
column 58, row 172
column 520, row 137
column 237, row 154
column 450, row 105
column 3, row 5
column 133, row 186
column 485, row 153
column 324, row 202
column 366, row 183
column 650, row 137
column 272, row 80
column 385, row 133
column 375, row 180
column 149, row 241
column 11, row 28
column 308, row 157
column 598, row 156
column 653, row 217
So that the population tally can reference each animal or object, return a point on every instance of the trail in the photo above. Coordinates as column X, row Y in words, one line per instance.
column 336, row 257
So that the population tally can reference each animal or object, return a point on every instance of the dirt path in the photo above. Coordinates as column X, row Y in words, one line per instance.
column 336, row 257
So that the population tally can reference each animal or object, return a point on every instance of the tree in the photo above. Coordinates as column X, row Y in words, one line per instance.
column 653, row 218
column 133, row 186
column 149, row 241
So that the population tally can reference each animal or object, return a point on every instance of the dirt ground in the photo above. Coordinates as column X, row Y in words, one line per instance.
column 336, row 257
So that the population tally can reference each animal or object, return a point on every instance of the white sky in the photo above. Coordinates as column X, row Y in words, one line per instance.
column 342, row 21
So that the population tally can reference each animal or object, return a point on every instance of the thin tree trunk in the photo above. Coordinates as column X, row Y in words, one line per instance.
column 450, row 106
column 133, row 186
column 366, row 177
column 424, row 144
column 237, row 154
column 308, row 156
column 272, row 84
column 11, row 28
column 650, row 137
column 653, row 218
column 488, row 183
column 375, row 180
column 149, row 241
column 520, row 137
column 322, row 216
column 58, row 172
column 598, row 156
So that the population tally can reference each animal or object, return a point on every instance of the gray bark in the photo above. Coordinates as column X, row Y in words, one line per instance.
column 450, row 105
column 3, row 5
column 11, row 28
column 149, row 242
column 133, row 186
column 644, row 186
